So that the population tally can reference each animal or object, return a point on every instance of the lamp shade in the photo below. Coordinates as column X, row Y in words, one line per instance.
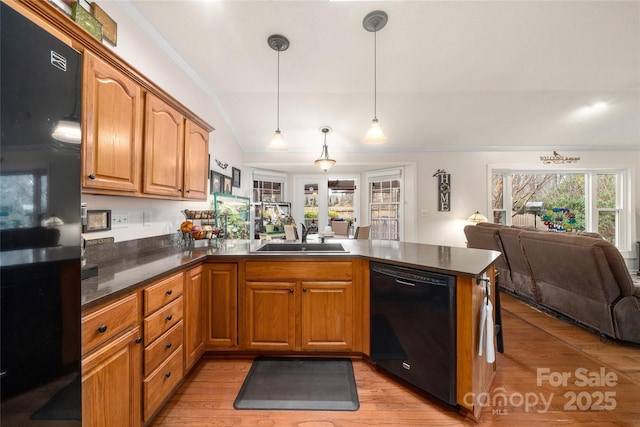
column 477, row 217
column 277, row 142
column 375, row 135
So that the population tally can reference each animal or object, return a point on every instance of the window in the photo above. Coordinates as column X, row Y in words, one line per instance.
column 267, row 188
column 340, row 199
column 384, row 204
column 565, row 201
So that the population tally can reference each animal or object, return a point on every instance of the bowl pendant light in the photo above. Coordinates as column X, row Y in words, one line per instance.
column 324, row 161
column 374, row 22
column 278, row 43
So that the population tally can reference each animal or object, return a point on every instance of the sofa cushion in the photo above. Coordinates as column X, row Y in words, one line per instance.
column 487, row 238
column 523, row 281
column 573, row 276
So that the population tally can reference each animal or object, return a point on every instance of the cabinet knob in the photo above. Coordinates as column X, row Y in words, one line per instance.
column 102, row 329
column 304, row 289
column 169, row 292
column 92, row 176
column 179, row 190
column 169, row 317
column 167, row 345
column 168, row 374
column 138, row 340
column 290, row 291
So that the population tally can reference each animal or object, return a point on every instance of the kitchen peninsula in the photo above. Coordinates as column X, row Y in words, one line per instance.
column 162, row 310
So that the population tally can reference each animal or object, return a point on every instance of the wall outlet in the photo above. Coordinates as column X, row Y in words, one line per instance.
column 146, row 219
column 119, row 219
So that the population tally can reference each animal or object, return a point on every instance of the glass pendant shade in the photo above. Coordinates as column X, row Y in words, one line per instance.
column 375, row 135
column 277, row 142
column 324, row 161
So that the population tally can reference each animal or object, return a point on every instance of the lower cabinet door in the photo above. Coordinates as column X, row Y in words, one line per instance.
column 162, row 382
column 111, row 378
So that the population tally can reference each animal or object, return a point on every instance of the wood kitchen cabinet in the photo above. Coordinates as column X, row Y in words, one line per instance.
column 194, row 319
column 221, row 311
column 196, row 162
column 112, row 117
column 302, row 306
column 163, row 149
column 111, row 365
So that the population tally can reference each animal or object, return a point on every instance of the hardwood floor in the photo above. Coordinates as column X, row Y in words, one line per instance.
column 533, row 341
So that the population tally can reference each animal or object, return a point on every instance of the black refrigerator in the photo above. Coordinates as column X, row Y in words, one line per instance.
column 40, row 226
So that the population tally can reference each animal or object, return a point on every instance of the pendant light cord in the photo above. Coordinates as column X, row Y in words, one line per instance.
column 375, row 74
column 278, row 95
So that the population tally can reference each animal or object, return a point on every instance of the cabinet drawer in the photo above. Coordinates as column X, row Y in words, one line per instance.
column 162, row 320
column 105, row 323
column 163, row 292
column 160, row 384
column 161, row 348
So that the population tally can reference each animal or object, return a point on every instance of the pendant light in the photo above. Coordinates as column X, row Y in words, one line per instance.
column 324, row 161
column 374, row 22
column 278, row 43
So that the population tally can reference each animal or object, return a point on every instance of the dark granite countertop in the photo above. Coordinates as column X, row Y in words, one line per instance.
column 121, row 276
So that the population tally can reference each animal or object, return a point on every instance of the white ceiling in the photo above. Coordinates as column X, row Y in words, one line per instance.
column 452, row 75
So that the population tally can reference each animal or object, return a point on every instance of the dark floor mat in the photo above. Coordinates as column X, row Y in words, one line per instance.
column 64, row 405
column 299, row 384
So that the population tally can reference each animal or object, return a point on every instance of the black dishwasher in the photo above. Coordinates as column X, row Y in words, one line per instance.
column 413, row 327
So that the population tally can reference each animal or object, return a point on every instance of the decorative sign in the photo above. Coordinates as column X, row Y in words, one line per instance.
column 558, row 159
column 444, row 190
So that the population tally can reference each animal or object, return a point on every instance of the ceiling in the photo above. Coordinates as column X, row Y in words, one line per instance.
column 451, row 75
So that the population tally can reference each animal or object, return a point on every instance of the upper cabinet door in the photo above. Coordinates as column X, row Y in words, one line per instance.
column 163, row 149
column 112, row 128
column 196, row 162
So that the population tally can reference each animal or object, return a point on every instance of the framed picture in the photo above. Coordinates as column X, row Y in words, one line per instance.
column 236, row 177
column 216, row 182
column 226, row 184
column 99, row 220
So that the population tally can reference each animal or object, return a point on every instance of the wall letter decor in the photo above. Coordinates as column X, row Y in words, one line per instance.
column 444, row 190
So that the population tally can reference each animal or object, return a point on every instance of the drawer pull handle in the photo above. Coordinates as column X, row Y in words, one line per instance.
column 168, row 374
column 169, row 292
column 169, row 317
column 168, row 345
column 102, row 329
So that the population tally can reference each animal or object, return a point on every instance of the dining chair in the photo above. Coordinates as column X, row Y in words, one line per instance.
column 362, row 232
column 340, row 228
column 290, row 233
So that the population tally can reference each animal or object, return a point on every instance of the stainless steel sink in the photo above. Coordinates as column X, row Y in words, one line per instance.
column 302, row 247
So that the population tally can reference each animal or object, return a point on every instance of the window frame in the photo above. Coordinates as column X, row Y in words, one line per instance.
column 624, row 223
column 380, row 176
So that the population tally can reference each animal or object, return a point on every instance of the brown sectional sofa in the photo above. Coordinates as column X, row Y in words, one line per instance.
column 576, row 275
